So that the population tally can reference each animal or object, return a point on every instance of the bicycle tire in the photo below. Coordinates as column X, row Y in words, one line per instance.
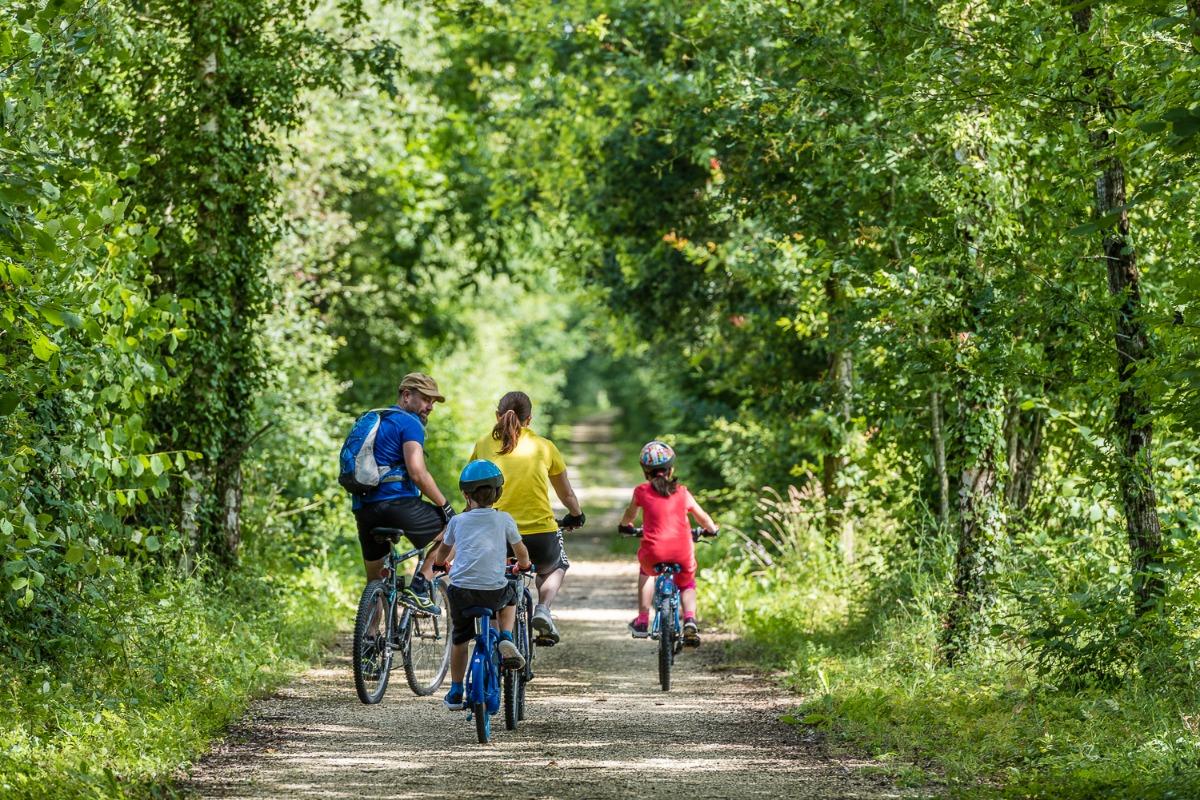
column 371, row 669
column 512, row 688
column 525, row 640
column 425, row 646
column 483, row 723
column 666, row 641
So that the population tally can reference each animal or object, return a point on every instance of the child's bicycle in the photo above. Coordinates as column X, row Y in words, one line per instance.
column 515, row 679
column 481, row 689
column 667, row 627
column 384, row 625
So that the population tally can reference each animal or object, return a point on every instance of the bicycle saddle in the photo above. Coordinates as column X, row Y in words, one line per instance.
column 387, row 534
column 668, row 567
column 477, row 611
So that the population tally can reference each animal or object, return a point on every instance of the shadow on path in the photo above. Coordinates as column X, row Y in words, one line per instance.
column 598, row 726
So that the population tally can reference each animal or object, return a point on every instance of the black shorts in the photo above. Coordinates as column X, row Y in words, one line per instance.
column 546, row 551
column 420, row 521
column 462, row 627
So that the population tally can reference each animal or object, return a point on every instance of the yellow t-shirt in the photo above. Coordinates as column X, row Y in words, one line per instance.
column 527, row 470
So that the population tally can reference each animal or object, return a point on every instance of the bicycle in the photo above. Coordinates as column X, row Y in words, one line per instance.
column 481, row 689
column 667, row 625
column 515, row 679
column 423, row 639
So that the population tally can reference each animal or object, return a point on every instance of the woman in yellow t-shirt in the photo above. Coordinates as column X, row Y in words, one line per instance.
column 532, row 465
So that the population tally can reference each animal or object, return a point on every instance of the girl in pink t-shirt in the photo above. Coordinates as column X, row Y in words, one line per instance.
column 666, row 536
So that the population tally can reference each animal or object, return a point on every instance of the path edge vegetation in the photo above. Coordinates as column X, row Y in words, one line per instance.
column 930, row 264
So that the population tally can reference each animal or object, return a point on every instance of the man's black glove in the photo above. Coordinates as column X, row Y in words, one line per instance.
column 572, row 521
column 628, row 530
column 446, row 512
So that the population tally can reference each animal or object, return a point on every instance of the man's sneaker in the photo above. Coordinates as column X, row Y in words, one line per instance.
column 547, row 631
column 510, row 656
column 691, row 634
column 639, row 629
column 453, row 700
column 420, row 601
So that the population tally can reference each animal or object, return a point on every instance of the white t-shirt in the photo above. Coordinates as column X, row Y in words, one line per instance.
column 480, row 538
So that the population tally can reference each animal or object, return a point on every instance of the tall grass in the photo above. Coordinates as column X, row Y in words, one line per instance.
column 858, row 643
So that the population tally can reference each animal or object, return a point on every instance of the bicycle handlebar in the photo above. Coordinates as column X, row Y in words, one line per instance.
column 697, row 533
column 511, row 571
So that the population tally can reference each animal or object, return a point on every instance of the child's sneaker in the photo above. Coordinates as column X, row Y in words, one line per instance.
column 510, row 656
column 640, row 628
column 691, row 634
column 453, row 699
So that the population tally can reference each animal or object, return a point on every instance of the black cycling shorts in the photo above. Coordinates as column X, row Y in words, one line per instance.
column 421, row 522
column 546, row 551
column 463, row 627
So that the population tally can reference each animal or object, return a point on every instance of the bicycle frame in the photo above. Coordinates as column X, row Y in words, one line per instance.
column 481, row 690
column 666, row 594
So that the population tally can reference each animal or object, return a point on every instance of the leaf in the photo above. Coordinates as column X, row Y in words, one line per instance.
column 152, row 544
column 9, row 403
column 43, row 348
column 19, row 275
column 19, row 583
column 74, row 554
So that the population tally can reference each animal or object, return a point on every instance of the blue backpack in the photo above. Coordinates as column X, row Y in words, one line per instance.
column 358, row 471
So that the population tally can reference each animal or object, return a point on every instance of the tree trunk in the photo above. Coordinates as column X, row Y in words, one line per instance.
column 979, row 515
column 939, row 457
column 839, row 380
column 1023, row 433
column 1132, row 421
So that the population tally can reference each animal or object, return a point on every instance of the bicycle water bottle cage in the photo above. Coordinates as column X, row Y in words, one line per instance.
column 667, row 568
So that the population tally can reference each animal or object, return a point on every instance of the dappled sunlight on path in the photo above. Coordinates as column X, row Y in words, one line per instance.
column 598, row 725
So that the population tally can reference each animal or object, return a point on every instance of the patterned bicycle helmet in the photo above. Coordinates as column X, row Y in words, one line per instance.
column 657, row 455
column 480, row 472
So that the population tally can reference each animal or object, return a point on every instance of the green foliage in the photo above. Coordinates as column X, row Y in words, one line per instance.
column 157, row 667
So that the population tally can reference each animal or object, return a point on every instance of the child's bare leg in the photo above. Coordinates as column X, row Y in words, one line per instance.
column 508, row 618
column 689, row 602
column 645, row 594
column 458, row 662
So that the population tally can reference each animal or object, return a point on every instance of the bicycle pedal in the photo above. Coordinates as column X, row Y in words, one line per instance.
column 545, row 642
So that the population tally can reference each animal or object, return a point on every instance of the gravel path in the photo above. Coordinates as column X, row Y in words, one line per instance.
column 597, row 726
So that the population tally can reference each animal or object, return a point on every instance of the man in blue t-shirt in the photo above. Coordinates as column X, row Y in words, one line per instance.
column 397, row 503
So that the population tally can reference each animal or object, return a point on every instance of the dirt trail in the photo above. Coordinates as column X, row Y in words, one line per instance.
column 598, row 726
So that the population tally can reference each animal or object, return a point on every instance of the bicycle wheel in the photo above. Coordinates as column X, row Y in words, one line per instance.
column 666, row 642
column 372, row 657
column 425, row 646
column 524, row 639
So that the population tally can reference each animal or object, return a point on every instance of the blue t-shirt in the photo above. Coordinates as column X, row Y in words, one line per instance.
column 394, row 430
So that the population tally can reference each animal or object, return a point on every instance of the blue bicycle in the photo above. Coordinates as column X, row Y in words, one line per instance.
column 481, row 690
column 515, row 679
column 668, row 626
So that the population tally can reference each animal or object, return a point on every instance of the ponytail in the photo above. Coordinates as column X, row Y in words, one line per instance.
column 514, row 410
column 663, row 482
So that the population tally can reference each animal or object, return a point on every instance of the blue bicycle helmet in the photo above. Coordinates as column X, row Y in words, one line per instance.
column 480, row 472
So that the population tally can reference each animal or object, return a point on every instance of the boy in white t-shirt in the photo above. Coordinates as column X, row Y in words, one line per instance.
column 480, row 537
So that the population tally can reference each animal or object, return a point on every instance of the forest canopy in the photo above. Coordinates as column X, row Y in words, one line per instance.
column 930, row 265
